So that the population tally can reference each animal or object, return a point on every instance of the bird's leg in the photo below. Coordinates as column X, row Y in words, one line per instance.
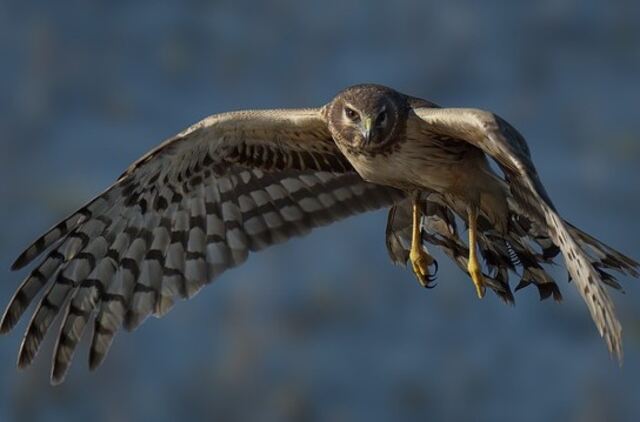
column 420, row 259
column 473, row 266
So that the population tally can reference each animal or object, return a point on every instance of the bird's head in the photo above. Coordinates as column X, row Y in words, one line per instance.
column 367, row 116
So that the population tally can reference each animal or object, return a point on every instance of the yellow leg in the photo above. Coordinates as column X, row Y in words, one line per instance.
column 473, row 266
column 420, row 260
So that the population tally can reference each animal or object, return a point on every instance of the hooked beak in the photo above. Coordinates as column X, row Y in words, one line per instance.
column 366, row 129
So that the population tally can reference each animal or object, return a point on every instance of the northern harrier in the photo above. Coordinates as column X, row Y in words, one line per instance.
column 238, row 182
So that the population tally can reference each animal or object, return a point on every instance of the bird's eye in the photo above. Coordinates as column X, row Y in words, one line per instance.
column 382, row 117
column 351, row 114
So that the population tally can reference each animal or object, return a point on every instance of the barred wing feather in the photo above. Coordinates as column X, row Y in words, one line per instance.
column 177, row 218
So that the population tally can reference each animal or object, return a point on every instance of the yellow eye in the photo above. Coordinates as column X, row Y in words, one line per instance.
column 351, row 114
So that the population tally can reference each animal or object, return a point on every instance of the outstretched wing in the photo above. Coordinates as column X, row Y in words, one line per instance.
column 507, row 147
column 178, row 217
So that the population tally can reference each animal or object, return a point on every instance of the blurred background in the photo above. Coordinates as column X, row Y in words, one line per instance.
column 325, row 327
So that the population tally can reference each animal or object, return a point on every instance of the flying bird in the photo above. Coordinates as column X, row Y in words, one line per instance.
column 238, row 182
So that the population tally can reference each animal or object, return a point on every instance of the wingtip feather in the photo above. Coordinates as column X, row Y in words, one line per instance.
column 20, row 262
column 95, row 359
column 6, row 324
column 58, row 373
column 12, row 313
column 56, row 381
column 24, row 358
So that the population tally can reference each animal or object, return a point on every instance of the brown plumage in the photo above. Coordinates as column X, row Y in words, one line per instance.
column 238, row 182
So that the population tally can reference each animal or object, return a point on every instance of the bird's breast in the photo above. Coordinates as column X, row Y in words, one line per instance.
column 412, row 164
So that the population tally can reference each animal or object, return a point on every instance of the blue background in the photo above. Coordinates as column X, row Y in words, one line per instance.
column 326, row 327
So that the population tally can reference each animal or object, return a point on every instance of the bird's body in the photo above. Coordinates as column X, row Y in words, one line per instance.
column 420, row 159
column 238, row 182
column 426, row 162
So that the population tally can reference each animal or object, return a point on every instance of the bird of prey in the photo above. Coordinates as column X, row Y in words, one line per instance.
column 238, row 182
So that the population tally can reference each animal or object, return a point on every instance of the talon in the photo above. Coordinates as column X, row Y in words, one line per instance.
column 420, row 259
column 433, row 275
column 431, row 279
column 478, row 281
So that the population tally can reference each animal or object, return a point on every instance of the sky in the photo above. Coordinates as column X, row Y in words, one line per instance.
column 326, row 327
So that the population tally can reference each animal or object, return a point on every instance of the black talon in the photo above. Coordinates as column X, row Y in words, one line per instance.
column 430, row 278
column 429, row 284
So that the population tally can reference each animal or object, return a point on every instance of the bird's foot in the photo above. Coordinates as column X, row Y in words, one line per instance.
column 473, row 266
column 420, row 262
column 475, row 271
